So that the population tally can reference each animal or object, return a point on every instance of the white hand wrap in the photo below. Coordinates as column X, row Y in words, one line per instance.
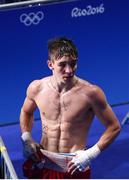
column 83, row 157
column 26, row 136
column 29, row 147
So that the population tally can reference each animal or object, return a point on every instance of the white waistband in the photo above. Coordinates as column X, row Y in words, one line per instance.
column 57, row 161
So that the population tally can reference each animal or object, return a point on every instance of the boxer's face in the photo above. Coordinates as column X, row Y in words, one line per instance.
column 63, row 68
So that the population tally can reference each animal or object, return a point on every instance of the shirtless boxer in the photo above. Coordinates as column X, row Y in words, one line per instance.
column 67, row 106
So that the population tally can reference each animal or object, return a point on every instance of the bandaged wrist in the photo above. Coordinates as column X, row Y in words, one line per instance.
column 26, row 136
column 93, row 152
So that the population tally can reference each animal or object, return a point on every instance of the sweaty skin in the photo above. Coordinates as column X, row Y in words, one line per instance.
column 67, row 111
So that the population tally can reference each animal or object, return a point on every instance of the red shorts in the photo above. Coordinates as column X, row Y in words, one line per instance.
column 32, row 172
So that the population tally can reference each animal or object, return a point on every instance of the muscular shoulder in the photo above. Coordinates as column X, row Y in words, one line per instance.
column 98, row 98
column 94, row 93
column 87, row 87
column 35, row 87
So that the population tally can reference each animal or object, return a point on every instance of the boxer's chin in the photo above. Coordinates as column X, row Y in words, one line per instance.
column 67, row 78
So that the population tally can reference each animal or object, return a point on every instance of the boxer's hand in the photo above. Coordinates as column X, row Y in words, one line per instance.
column 30, row 147
column 83, row 158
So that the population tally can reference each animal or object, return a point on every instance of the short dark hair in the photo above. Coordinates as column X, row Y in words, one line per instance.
column 58, row 47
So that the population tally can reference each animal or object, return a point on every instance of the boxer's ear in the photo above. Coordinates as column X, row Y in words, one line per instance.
column 50, row 64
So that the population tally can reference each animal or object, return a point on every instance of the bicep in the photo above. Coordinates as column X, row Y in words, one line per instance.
column 26, row 115
column 29, row 106
column 102, row 109
column 106, row 115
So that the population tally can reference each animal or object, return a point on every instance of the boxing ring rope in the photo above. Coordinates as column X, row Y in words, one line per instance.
column 126, row 119
column 29, row 3
column 6, row 167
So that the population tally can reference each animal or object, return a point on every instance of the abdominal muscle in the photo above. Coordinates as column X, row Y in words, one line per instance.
column 63, row 137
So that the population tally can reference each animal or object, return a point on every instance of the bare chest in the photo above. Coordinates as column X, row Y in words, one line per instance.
column 65, row 107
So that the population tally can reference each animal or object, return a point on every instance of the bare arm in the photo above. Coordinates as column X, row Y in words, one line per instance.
column 28, row 108
column 26, row 116
column 105, row 114
column 30, row 147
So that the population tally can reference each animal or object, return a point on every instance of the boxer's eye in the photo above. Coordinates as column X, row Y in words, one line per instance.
column 62, row 64
column 73, row 64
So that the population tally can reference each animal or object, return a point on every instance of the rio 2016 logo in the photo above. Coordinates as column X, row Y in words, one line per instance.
column 89, row 10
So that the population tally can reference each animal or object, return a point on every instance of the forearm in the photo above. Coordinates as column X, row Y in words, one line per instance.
column 29, row 146
column 108, row 136
column 26, row 121
column 84, row 157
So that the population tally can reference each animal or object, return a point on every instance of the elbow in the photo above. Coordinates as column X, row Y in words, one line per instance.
column 25, row 112
column 22, row 112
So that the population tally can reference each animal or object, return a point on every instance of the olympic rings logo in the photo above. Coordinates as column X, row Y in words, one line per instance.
column 31, row 18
